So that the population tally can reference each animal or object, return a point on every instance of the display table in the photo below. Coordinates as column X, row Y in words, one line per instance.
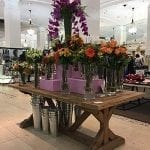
column 100, row 108
column 138, row 85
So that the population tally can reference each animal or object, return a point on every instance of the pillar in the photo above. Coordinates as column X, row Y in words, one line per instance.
column 93, row 19
column 147, row 52
column 41, row 38
column 12, row 23
column 121, row 34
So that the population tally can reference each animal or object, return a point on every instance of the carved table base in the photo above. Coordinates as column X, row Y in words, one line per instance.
column 105, row 139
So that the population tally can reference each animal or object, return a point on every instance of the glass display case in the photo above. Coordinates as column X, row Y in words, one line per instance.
column 7, row 57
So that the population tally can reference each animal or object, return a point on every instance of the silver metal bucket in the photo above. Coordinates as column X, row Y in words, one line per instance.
column 77, row 112
column 36, row 99
column 53, row 121
column 36, row 109
column 66, row 112
column 36, row 116
column 45, row 122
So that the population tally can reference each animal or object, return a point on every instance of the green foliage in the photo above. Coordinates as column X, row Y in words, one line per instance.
column 33, row 56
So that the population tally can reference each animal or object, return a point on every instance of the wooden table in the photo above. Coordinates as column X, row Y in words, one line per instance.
column 100, row 108
column 137, row 85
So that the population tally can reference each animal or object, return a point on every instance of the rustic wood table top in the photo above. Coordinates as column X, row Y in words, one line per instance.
column 96, row 104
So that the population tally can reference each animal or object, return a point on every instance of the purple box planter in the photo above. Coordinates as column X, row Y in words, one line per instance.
column 59, row 71
column 50, row 85
column 77, row 85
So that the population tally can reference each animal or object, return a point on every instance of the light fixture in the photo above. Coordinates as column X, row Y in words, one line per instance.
column 30, row 30
column 25, row 43
column 132, row 27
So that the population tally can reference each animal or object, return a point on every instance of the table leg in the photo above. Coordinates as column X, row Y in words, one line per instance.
column 79, row 121
column 105, row 138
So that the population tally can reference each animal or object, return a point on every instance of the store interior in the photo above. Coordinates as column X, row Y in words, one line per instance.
column 46, row 97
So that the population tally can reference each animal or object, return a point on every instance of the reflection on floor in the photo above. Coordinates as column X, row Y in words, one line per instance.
column 6, row 79
column 15, row 106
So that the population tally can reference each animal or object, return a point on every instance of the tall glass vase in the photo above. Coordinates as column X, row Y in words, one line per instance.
column 88, row 89
column 65, row 86
column 111, row 81
column 119, row 76
column 36, row 75
column 22, row 79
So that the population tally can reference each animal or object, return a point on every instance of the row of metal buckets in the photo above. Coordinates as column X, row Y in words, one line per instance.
column 48, row 119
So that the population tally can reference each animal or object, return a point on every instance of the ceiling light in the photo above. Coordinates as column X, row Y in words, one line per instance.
column 30, row 30
column 132, row 27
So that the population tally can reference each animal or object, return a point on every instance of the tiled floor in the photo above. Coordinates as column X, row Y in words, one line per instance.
column 15, row 106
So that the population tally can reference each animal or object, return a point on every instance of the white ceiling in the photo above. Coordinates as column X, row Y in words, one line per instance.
column 112, row 12
column 119, row 14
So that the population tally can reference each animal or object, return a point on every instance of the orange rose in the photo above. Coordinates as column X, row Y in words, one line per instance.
column 112, row 43
column 123, row 50
column 103, row 44
column 103, row 50
column 117, row 51
column 90, row 52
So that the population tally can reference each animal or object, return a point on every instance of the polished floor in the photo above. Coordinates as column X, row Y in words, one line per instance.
column 15, row 106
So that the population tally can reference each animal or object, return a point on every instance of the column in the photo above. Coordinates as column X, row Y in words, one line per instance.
column 41, row 38
column 121, row 34
column 147, row 52
column 93, row 19
column 12, row 23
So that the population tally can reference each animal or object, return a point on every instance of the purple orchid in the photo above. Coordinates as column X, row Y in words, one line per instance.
column 78, row 16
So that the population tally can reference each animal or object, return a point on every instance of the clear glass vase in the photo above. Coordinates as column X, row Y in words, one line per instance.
column 65, row 85
column 22, row 79
column 119, row 76
column 111, row 81
column 88, row 89
column 101, row 71
column 36, row 75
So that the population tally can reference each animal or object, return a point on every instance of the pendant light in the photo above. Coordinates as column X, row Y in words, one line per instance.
column 30, row 30
column 132, row 27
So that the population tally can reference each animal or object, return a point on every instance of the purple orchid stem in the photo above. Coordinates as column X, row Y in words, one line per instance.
column 77, row 16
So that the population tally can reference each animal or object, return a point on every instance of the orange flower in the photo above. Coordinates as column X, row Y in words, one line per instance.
column 90, row 52
column 103, row 44
column 112, row 43
column 16, row 66
column 123, row 50
column 103, row 49
column 117, row 51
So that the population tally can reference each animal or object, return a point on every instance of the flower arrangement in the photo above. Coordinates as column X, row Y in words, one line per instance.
column 72, row 13
column 87, row 55
column 20, row 67
column 33, row 56
column 49, row 59
column 76, row 42
column 65, row 56
column 115, row 59
column 116, row 56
